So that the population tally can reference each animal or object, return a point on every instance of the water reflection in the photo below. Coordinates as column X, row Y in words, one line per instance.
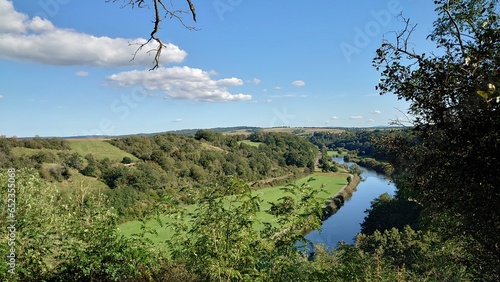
column 345, row 224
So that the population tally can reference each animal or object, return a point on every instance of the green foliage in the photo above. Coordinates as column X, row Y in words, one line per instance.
column 424, row 254
column 99, row 148
column 74, row 240
column 43, row 143
column 450, row 165
column 388, row 212
column 364, row 141
column 287, row 148
column 184, row 165
column 380, row 167
column 221, row 242
column 73, row 161
column 92, row 167
column 126, row 160
column 355, row 169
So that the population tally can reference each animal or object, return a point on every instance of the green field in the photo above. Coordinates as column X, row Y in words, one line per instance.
column 251, row 143
column 335, row 154
column 21, row 151
column 100, row 149
column 97, row 147
column 331, row 183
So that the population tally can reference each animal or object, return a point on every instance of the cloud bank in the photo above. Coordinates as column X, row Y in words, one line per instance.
column 181, row 83
column 38, row 40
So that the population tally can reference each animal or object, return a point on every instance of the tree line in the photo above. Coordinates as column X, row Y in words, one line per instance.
column 168, row 164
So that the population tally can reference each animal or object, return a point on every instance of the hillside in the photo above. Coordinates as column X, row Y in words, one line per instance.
column 137, row 171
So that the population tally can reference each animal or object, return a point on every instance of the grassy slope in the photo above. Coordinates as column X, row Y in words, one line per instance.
column 330, row 182
column 20, row 151
column 100, row 149
column 97, row 147
column 251, row 143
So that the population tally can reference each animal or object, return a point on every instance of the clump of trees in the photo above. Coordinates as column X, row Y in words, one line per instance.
column 287, row 149
column 363, row 141
column 168, row 165
column 449, row 164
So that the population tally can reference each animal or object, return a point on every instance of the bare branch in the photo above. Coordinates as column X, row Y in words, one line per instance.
column 191, row 7
column 399, row 122
column 158, row 7
column 457, row 29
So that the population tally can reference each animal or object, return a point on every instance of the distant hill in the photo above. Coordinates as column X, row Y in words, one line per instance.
column 245, row 130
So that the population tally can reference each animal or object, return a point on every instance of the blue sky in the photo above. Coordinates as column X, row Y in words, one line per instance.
column 66, row 65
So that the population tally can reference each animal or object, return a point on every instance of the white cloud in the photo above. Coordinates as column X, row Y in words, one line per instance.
column 255, row 81
column 370, row 120
column 277, row 87
column 356, row 117
column 1, row 97
column 181, row 83
column 38, row 40
column 177, row 120
column 12, row 21
column 298, row 83
column 376, row 112
column 334, row 117
column 82, row 73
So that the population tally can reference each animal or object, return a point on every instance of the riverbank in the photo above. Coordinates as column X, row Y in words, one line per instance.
column 346, row 221
column 329, row 184
column 338, row 200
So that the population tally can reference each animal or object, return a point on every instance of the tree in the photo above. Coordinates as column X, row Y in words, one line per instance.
column 74, row 161
column 388, row 212
column 127, row 160
column 450, row 164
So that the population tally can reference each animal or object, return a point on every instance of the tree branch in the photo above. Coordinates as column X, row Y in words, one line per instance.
column 191, row 7
column 455, row 25
column 158, row 6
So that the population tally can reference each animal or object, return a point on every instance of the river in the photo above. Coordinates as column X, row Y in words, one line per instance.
column 345, row 224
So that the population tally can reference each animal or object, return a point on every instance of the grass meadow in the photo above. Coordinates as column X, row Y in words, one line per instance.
column 330, row 183
column 100, row 149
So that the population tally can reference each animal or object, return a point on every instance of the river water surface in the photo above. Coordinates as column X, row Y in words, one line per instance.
column 345, row 224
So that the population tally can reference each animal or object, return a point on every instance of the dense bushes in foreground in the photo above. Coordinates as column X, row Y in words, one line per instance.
column 76, row 239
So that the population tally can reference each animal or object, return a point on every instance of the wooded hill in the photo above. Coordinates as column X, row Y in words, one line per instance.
column 140, row 170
